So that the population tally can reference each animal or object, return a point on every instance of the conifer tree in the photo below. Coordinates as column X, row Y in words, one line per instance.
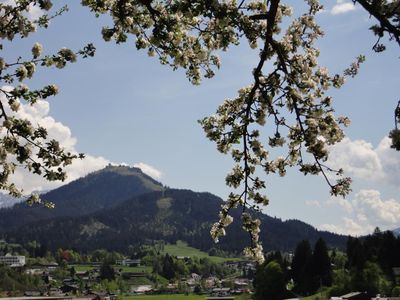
column 321, row 265
column 301, row 267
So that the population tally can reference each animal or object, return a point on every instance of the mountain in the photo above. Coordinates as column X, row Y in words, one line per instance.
column 99, row 190
column 396, row 232
column 169, row 215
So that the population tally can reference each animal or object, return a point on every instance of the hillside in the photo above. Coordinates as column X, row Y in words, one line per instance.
column 396, row 232
column 99, row 190
column 170, row 216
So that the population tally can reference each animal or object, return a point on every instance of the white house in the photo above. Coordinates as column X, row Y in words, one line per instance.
column 12, row 261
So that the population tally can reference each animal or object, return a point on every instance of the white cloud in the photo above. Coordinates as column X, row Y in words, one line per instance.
column 38, row 114
column 313, row 203
column 357, row 158
column 375, row 210
column 149, row 170
column 342, row 7
column 366, row 211
column 360, row 159
column 390, row 160
column 343, row 203
column 33, row 13
column 347, row 227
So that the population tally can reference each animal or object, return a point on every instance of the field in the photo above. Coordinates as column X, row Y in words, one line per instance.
column 179, row 249
column 145, row 269
column 317, row 296
column 175, row 297
column 182, row 249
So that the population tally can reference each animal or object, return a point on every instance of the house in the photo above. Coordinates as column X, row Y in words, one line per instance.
column 180, row 257
column 193, row 280
column 34, row 270
column 55, row 292
column 129, row 262
column 38, row 269
column 241, row 283
column 83, row 275
column 51, row 266
column 141, row 289
column 212, row 281
column 32, row 293
column 356, row 296
column 221, row 292
column 242, row 265
column 196, row 277
column 12, row 260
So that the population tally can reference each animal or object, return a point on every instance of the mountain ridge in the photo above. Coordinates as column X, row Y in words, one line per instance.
column 97, row 190
column 396, row 232
column 149, row 212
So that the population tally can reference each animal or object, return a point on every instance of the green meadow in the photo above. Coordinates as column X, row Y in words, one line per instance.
column 182, row 249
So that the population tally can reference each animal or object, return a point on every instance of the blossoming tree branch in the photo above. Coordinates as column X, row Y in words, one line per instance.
column 286, row 106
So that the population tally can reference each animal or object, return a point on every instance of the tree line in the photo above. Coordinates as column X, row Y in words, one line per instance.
column 366, row 266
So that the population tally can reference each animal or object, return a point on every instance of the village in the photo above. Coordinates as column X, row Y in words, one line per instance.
column 152, row 273
column 130, row 277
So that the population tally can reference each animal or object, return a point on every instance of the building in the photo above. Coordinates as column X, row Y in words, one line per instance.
column 129, row 262
column 356, row 296
column 12, row 261
column 141, row 289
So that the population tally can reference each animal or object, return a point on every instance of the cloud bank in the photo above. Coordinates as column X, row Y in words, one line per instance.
column 368, row 165
column 366, row 211
column 360, row 159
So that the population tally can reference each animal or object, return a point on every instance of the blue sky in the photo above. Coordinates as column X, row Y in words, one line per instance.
column 123, row 107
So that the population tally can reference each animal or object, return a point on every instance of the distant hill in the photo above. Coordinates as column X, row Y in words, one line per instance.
column 99, row 190
column 396, row 232
column 170, row 216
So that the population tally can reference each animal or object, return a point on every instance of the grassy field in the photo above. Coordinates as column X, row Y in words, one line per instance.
column 317, row 296
column 81, row 268
column 179, row 249
column 175, row 297
column 182, row 249
column 145, row 269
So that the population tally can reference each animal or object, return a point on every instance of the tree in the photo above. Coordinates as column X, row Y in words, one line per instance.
column 269, row 282
column 341, row 283
column 168, row 267
column 396, row 291
column 371, row 279
column 321, row 265
column 355, row 254
column 72, row 272
column 188, row 34
column 301, row 267
column 107, row 271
